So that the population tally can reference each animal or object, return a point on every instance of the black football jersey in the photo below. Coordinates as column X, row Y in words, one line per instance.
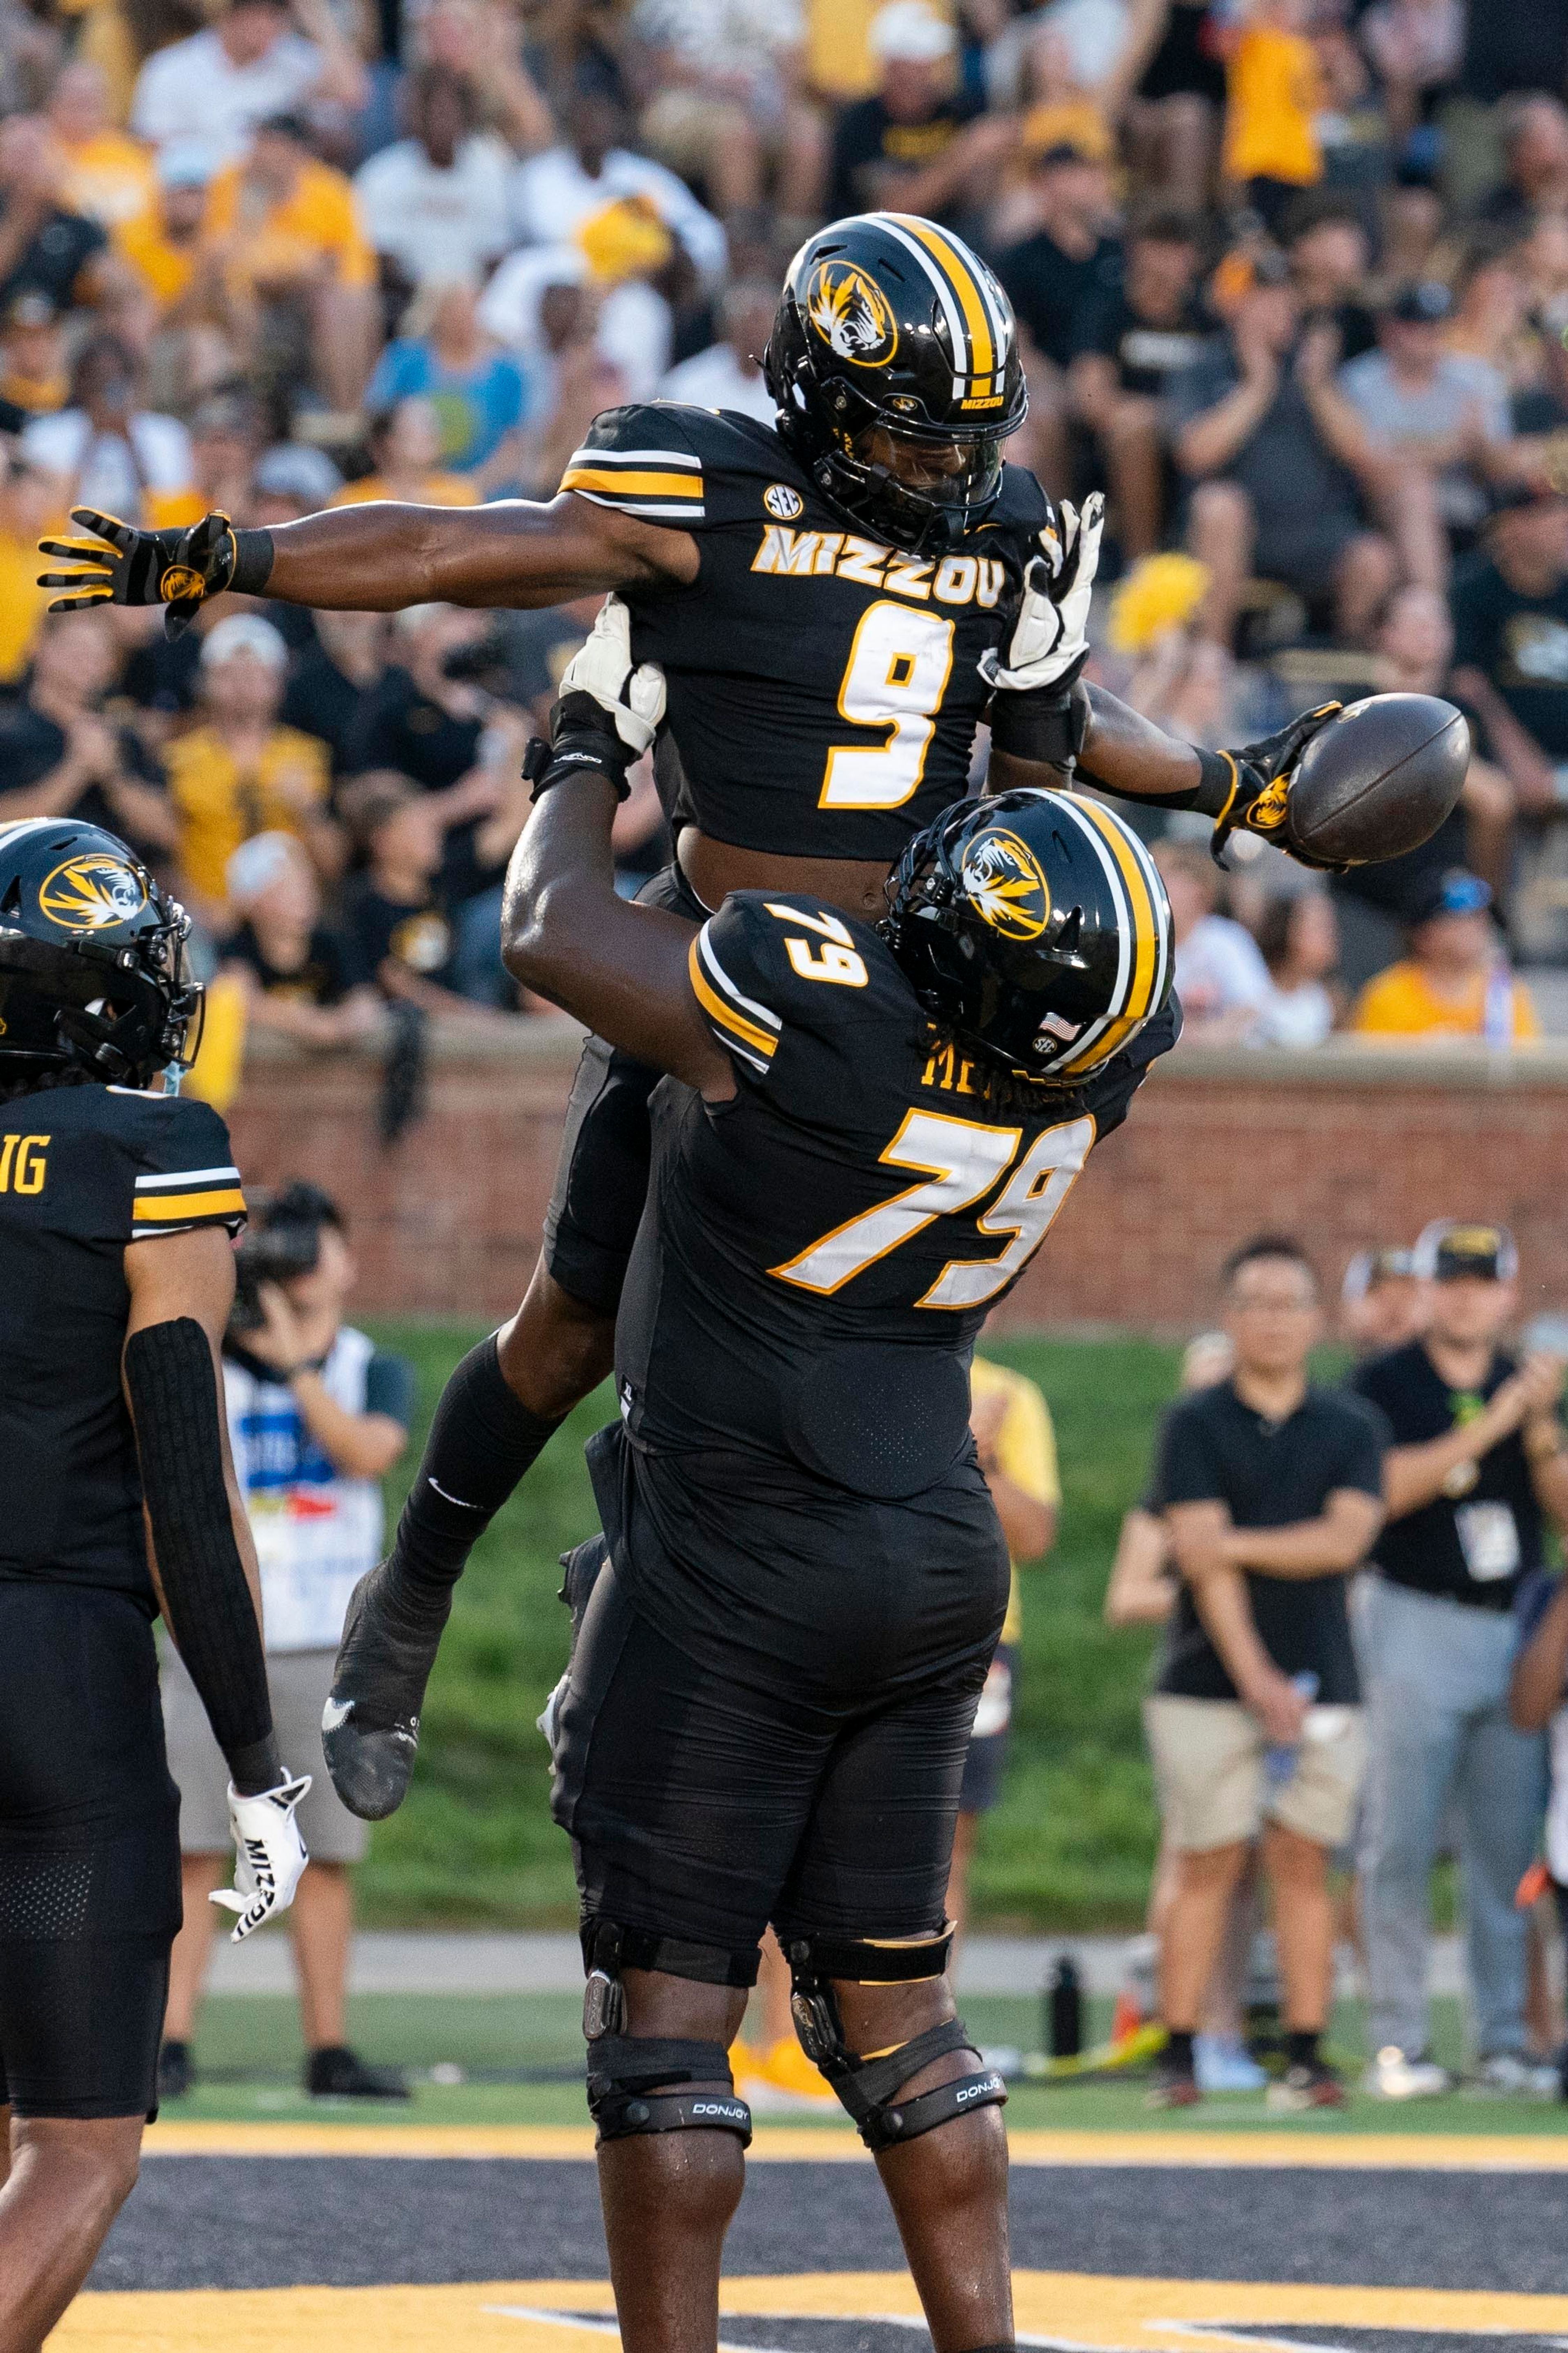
column 83, row 1171
column 819, row 1253
column 824, row 689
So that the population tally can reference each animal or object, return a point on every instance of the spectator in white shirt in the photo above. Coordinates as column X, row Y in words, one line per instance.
column 729, row 102
column 1299, row 938
column 251, row 64
column 630, row 326
column 104, row 451
column 436, row 202
column 1221, row 978
column 728, row 374
column 554, row 194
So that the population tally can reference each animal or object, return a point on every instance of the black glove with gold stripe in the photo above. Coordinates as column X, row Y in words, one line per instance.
column 1249, row 789
column 177, row 569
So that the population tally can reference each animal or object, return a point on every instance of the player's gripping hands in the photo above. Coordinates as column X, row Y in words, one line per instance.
column 1257, row 798
column 609, row 709
column 1049, row 644
column 270, row 1854
column 118, row 564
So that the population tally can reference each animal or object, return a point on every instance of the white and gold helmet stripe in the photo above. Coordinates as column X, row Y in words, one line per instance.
column 1143, row 930
column 978, row 330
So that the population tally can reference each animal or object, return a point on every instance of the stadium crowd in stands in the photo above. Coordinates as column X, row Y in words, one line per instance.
column 1293, row 280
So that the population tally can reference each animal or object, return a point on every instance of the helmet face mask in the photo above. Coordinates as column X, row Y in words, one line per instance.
column 893, row 359
column 1033, row 927
column 93, row 968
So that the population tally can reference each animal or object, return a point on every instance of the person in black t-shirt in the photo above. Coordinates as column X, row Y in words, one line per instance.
column 296, row 972
column 58, row 757
column 1272, row 1492
column 1049, row 278
column 898, row 150
column 1510, row 603
column 1476, row 1456
column 339, row 671
column 44, row 249
column 1128, row 343
column 401, row 939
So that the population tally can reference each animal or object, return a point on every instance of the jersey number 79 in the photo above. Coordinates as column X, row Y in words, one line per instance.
column 963, row 1160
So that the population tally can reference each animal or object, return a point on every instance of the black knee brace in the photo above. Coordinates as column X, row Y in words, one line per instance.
column 630, row 2077
column 869, row 2087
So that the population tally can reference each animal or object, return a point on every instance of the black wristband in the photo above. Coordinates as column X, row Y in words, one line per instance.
column 1047, row 723
column 256, row 1768
column 252, row 562
column 1218, row 785
column 544, row 764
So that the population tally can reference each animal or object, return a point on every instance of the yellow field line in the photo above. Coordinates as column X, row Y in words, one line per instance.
column 1396, row 2152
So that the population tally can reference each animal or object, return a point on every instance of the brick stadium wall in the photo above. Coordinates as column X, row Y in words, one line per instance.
column 1342, row 1149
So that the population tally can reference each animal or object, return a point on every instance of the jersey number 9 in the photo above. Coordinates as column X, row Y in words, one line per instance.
column 897, row 671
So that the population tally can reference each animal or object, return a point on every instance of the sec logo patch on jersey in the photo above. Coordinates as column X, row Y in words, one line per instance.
column 92, row 895
column 1009, row 889
column 783, row 503
column 851, row 313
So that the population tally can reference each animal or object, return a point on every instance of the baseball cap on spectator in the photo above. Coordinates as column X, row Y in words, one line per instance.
column 291, row 469
column 1449, row 1248
column 1368, row 1268
column 910, row 32
column 256, row 864
column 1424, row 304
column 28, row 308
column 1455, row 893
column 626, row 239
column 186, row 164
column 244, row 633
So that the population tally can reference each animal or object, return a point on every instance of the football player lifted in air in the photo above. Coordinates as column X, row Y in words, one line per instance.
column 876, row 1125
column 834, row 602
column 116, row 1278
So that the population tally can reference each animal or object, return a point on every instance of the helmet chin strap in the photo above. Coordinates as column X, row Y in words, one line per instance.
column 107, row 1044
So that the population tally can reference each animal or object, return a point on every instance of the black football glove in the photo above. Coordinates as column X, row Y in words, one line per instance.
column 1259, row 799
column 177, row 569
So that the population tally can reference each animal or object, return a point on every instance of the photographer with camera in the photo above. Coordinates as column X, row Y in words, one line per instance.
column 317, row 1416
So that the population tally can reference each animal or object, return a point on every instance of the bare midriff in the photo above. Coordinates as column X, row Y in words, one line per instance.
column 714, row 869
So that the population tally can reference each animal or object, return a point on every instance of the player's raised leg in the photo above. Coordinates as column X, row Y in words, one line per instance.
column 68, row 2177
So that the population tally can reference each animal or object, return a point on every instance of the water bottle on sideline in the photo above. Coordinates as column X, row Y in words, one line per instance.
column 1280, row 1763
column 1063, row 2006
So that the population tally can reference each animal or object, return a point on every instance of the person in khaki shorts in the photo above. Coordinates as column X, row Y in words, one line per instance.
column 1272, row 1492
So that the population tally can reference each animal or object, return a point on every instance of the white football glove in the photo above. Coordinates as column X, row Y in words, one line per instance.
column 633, row 695
column 1050, row 637
column 270, row 1854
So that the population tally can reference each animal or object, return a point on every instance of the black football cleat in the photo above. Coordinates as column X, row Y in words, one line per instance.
column 333, row 2072
column 370, row 1724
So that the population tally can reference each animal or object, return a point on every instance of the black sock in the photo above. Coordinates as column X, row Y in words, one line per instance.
column 481, row 1443
column 1301, row 2046
column 1179, row 2048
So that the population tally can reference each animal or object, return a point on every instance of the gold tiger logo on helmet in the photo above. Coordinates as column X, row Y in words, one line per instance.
column 1006, row 885
column 92, row 894
column 851, row 313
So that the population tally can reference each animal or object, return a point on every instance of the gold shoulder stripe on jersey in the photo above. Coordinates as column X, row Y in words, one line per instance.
column 620, row 482
column 713, row 1005
column 159, row 1208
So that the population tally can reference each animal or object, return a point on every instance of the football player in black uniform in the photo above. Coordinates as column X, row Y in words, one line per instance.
column 116, row 1276
column 784, row 1629
column 834, row 603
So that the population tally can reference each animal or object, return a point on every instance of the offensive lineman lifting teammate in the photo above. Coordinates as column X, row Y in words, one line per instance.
column 834, row 605
column 116, row 1278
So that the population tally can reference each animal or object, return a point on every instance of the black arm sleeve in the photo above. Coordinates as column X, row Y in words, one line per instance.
column 173, row 1388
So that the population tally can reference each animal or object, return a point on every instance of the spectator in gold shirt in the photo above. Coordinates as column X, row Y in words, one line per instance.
column 1454, row 983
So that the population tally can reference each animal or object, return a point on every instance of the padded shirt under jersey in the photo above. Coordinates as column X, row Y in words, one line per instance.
column 83, row 1171
column 824, row 690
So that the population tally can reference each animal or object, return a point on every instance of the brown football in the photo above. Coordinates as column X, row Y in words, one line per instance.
column 1378, row 780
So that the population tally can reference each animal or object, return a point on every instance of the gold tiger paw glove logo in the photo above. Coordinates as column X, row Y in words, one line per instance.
column 1270, row 811
column 180, row 582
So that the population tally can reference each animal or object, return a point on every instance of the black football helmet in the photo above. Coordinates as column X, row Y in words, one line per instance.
column 92, row 958
column 890, row 326
column 1035, row 926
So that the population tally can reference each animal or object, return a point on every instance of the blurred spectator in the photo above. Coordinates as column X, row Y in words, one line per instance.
column 1445, row 414
column 1274, row 95
column 728, row 374
column 1415, row 47
column 290, row 479
column 1475, row 1461
column 1221, row 978
column 1510, row 602
column 161, row 244
column 32, row 345
column 44, row 248
column 333, row 678
column 582, row 348
column 436, row 203
column 1050, row 277
column 1281, row 462
column 60, row 758
column 1179, row 99
column 405, row 445
column 728, row 108
column 108, row 177
column 222, row 84
column 1299, row 940
column 592, row 168
column 1382, row 1305
column 317, row 1416
column 421, row 722
column 1272, row 1493
column 1326, row 246
column 240, row 772
column 909, row 147
column 286, row 234
column 399, row 937
column 1131, row 342
column 1015, row 1443
column 295, row 969
column 27, row 509
column 1538, row 1702
column 1454, row 981
column 1535, row 148
column 105, row 451
column 477, row 391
